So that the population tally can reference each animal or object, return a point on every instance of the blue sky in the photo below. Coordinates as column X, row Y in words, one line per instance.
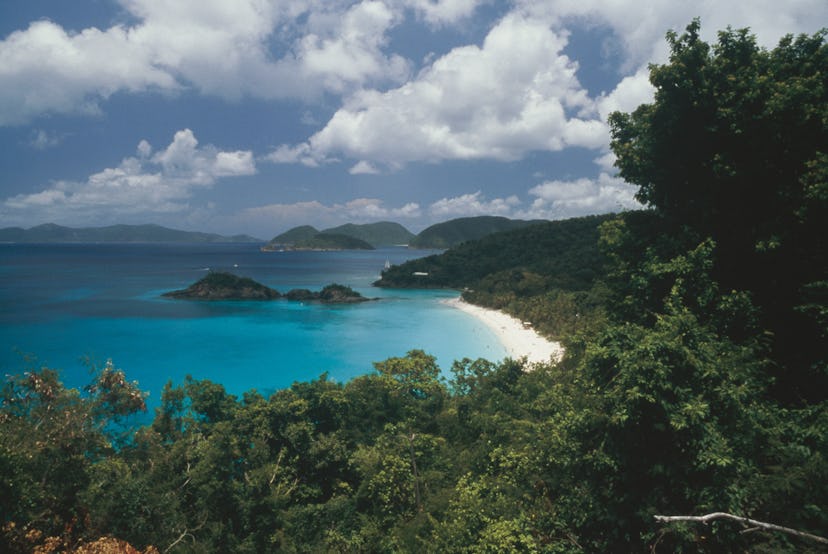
column 253, row 116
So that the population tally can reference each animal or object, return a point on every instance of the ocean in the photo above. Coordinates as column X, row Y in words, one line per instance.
column 74, row 306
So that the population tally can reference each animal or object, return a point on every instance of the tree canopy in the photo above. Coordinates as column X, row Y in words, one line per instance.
column 697, row 391
column 735, row 148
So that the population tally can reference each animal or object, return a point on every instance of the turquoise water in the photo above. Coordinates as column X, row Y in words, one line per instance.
column 65, row 304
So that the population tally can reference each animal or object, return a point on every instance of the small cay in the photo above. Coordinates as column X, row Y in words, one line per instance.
column 331, row 294
column 218, row 285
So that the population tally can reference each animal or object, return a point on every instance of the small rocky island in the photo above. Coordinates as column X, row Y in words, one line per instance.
column 331, row 294
column 218, row 285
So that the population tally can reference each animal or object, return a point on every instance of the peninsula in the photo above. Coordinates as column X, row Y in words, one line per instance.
column 322, row 242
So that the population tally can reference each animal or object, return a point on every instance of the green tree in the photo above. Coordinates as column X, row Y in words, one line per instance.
column 735, row 147
column 50, row 436
column 735, row 137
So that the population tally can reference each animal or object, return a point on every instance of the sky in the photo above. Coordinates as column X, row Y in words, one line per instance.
column 254, row 116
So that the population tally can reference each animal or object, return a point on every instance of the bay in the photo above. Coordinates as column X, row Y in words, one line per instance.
column 72, row 306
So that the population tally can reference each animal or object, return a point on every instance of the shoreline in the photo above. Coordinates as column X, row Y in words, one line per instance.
column 519, row 341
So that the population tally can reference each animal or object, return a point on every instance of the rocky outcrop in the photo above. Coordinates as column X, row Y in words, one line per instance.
column 225, row 286
column 331, row 294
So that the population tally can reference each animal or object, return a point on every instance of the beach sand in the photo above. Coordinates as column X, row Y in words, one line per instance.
column 518, row 340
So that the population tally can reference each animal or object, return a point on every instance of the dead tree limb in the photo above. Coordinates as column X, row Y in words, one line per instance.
column 745, row 521
column 180, row 538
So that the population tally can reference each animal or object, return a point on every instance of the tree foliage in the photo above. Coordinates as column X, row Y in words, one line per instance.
column 734, row 147
column 549, row 273
column 685, row 397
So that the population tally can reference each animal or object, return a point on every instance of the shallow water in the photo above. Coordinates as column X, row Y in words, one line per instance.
column 67, row 303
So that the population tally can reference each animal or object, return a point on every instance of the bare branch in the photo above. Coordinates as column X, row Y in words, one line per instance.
column 276, row 469
column 745, row 521
column 181, row 537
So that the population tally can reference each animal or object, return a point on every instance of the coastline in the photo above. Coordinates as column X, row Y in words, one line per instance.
column 519, row 341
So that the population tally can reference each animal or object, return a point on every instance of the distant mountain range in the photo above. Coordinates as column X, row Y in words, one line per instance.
column 369, row 235
column 344, row 237
column 385, row 233
column 50, row 232
column 319, row 241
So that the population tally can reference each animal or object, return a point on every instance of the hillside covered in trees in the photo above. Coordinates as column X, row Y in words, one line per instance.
column 700, row 389
column 456, row 231
column 320, row 241
column 548, row 273
column 382, row 233
column 385, row 233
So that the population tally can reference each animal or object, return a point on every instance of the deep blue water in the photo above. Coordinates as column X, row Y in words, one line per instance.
column 66, row 303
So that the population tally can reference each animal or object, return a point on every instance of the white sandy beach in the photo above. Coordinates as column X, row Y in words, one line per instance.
column 518, row 340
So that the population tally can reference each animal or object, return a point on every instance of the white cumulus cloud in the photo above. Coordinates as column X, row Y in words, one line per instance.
column 518, row 92
column 146, row 183
column 45, row 69
column 514, row 94
column 639, row 27
column 554, row 199
column 43, row 140
column 559, row 199
column 353, row 54
column 257, row 48
column 363, row 168
column 287, row 154
column 358, row 210
column 443, row 12
column 472, row 204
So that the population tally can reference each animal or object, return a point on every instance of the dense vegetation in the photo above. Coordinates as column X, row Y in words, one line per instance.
column 381, row 233
column 292, row 236
column 219, row 285
column 548, row 273
column 328, row 241
column 456, row 231
column 49, row 232
column 385, row 233
column 699, row 390
column 330, row 294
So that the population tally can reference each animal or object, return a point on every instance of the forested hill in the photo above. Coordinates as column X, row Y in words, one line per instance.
column 564, row 252
column 456, row 231
column 386, row 233
column 547, row 273
column 296, row 234
column 50, row 232
column 382, row 233
column 330, row 241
